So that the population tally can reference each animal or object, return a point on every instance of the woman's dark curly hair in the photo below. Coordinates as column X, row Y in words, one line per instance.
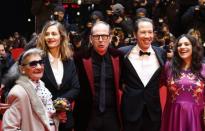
column 197, row 56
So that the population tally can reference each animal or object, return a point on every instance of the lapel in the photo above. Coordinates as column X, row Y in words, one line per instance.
column 159, row 55
column 130, row 66
column 36, row 102
column 133, row 71
column 127, row 62
column 153, row 76
column 116, row 73
column 49, row 73
column 116, row 70
column 87, row 63
column 66, row 74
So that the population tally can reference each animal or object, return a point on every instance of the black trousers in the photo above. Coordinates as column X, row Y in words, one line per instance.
column 107, row 121
column 62, row 128
column 68, row 126
column 144, row 123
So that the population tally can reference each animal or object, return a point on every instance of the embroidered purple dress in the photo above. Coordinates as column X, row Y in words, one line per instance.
column 185, row 102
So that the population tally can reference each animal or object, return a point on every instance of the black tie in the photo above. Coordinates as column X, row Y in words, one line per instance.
column 144, row 53
column 102, row 87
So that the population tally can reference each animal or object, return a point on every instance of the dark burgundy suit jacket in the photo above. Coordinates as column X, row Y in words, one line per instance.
column 83, row 105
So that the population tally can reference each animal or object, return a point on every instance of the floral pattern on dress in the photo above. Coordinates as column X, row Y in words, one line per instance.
column 174, row 90
column 198, row 92
column 196, row 88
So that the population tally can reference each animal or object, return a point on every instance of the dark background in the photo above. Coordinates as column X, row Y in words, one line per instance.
column 14, row 16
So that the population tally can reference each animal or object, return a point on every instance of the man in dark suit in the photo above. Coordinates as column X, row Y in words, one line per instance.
column 142, row 65
column 43, row 11
column 98, row 105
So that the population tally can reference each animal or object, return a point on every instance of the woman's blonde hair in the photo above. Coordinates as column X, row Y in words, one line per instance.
column 65, row 49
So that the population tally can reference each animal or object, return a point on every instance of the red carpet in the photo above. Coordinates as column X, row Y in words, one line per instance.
column 163, row 96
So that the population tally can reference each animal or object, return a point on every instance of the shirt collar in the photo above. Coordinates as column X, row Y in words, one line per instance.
column 34, row 84
column 51, row 58
column 95, row 55
column 149, row 49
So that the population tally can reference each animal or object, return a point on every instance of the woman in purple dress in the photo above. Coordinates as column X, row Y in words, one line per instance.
column 184, row 79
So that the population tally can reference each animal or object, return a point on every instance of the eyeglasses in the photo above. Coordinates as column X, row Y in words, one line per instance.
column 103, row 37
column 2, row 50
column 34, row 64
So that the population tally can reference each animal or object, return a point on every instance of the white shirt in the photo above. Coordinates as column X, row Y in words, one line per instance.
column 144, row 65
column 45, row 96
column 57, row 68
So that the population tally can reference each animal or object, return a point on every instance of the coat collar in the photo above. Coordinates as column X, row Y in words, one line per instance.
column 87, row 63
column 158, row 51
column 36, row 102
column 49, row 73
column 160, row 54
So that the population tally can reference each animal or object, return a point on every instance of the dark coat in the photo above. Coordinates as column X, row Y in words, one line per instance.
column 0, row 74
column 135, row 95
column 42, row 13
column 69, row 87
column 84, row 103
column 193, row 18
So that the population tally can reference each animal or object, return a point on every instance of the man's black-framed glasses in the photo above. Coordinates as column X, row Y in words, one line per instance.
column 103, row 37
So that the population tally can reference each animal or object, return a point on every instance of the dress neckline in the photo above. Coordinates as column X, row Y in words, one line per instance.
column 186, row 70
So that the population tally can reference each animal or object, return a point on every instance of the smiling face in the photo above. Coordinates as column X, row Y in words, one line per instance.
column 184, row 48
column 34, row 72
column 52, row 37
column 100, row 38
column 144, row 35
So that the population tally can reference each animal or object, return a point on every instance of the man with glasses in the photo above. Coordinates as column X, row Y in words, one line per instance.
column 98, row 105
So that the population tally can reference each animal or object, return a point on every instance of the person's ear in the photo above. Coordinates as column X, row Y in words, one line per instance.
column 90, row 40
column 22, row 70
column 110, row 38
column 134, row 34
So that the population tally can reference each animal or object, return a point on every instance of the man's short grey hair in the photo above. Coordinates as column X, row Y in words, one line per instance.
column 98, row 23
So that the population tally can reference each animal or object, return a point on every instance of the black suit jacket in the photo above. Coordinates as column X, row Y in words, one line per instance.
column 69, row 87
column 84, row 103
column 135, row 95
column 0, row 73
